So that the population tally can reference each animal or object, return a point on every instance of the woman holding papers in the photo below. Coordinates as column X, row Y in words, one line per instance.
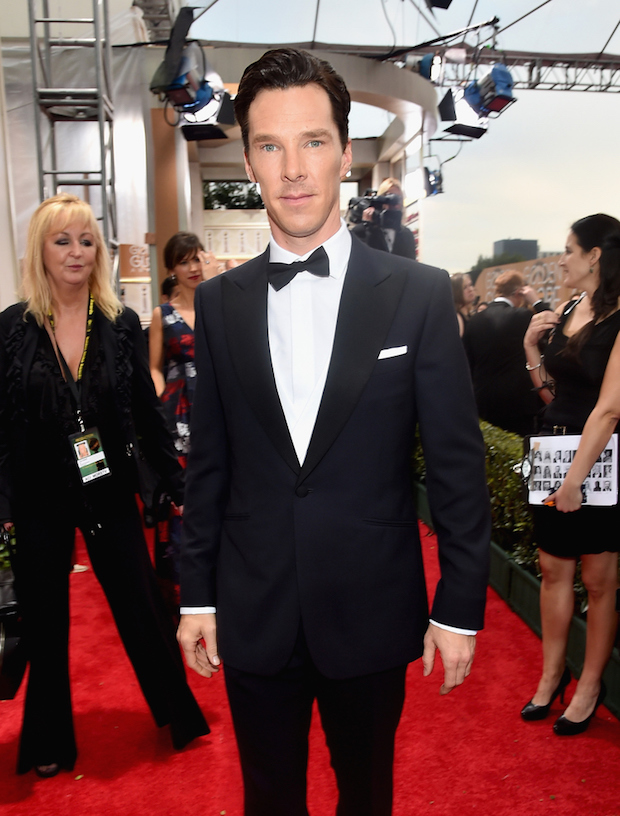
column 579, row 377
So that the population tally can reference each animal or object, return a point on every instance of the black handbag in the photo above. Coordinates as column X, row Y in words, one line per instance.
column 12, row 649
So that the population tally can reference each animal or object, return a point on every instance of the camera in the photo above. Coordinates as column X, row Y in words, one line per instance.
column 358, row 205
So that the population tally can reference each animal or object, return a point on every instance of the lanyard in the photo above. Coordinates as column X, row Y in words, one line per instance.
column 74, row 387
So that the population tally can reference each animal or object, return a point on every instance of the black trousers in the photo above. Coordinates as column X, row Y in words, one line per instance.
column 117, row 549
column 271, row 716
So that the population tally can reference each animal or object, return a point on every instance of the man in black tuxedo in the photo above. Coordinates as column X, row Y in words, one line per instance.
column 493, row 342
column 300, row 530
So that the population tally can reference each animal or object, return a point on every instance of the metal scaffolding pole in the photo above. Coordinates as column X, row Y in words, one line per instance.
column 89, row 103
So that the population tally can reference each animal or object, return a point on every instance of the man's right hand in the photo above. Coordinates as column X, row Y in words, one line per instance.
column 197, row 636
column 367, row 215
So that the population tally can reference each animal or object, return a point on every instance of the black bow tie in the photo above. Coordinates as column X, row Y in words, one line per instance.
column 280, row 274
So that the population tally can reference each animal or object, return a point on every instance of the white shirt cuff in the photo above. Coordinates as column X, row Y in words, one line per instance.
column 454, row 629
column 196, row 610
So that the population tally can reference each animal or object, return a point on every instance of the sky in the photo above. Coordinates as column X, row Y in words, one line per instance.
column 549, row 159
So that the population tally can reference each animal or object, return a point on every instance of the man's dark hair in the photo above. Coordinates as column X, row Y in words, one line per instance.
column 285, row 68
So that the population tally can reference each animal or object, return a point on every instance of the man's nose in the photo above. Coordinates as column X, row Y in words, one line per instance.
column 293, row 169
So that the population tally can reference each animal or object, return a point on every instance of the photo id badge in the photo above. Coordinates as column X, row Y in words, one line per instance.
column 89, row 455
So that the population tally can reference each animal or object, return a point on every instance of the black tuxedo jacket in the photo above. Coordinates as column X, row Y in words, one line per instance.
column 503, row 389
column 333, row 543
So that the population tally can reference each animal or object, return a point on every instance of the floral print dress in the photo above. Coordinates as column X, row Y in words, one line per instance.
column 180, row 377
column 180, row 374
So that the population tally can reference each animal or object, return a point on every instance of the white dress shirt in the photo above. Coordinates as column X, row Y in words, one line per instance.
column 301, row 322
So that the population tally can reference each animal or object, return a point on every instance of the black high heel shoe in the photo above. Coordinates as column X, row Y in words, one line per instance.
column 532, row 712
column 564, row 727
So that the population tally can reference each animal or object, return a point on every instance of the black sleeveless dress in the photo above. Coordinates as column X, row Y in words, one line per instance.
column 577, row 385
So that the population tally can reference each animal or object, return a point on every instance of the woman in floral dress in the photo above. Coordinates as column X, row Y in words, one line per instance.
column 171, row 352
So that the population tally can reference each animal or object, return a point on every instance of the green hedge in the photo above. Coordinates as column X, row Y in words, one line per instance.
column 512, row 527
column 5, row 561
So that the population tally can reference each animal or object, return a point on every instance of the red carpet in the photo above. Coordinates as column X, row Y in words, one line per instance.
column 466, row 753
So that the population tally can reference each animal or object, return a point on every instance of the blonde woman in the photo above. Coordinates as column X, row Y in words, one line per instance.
column 75, row 380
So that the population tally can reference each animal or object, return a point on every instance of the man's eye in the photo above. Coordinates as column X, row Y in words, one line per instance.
column 269, row 148
column 315, row 143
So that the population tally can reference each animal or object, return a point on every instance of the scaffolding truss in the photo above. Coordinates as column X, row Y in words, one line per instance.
column 58, row 104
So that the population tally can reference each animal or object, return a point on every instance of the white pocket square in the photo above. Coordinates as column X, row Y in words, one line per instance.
column 392, row 352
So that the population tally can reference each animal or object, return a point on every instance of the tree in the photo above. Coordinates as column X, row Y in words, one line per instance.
column 231, row 195
column 497, row 260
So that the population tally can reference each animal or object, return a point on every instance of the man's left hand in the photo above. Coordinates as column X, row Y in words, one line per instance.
column 457, row 655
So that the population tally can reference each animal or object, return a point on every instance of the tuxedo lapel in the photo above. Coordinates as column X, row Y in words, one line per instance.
column 369, row 300
column 244, row 303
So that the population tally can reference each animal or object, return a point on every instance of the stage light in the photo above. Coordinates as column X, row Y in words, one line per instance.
column 186, row 82
column 211, row 121
column 466, row 123
column 446, row 108
column 433, row 182
column 430, row 66
column 492, row 93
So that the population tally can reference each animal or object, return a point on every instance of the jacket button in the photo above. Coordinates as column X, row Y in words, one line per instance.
column 302, row 492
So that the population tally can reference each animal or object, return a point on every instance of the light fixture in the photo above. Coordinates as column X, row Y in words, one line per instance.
column 211, row 121
column 465, row 122
column 433, row 181
column 186, row 83
column 430, row 66
column 492, row 93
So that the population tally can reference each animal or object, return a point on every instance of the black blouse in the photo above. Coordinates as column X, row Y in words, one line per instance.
column 51, row 415
column 578, row 380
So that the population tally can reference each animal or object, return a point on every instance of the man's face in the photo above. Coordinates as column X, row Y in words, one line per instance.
column 296, row 156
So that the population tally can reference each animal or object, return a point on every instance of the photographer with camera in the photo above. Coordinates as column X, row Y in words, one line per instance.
column 378, row 219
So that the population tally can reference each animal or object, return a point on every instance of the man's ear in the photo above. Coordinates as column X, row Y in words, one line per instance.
column 347, row 160
column 248, row 168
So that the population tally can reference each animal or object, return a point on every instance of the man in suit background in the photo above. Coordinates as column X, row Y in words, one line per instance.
column 315, row 362
column 493, row 342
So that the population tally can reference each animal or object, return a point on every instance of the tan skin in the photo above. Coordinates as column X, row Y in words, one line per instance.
column 296, row 156
column 189, row 273
column 599, row 571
